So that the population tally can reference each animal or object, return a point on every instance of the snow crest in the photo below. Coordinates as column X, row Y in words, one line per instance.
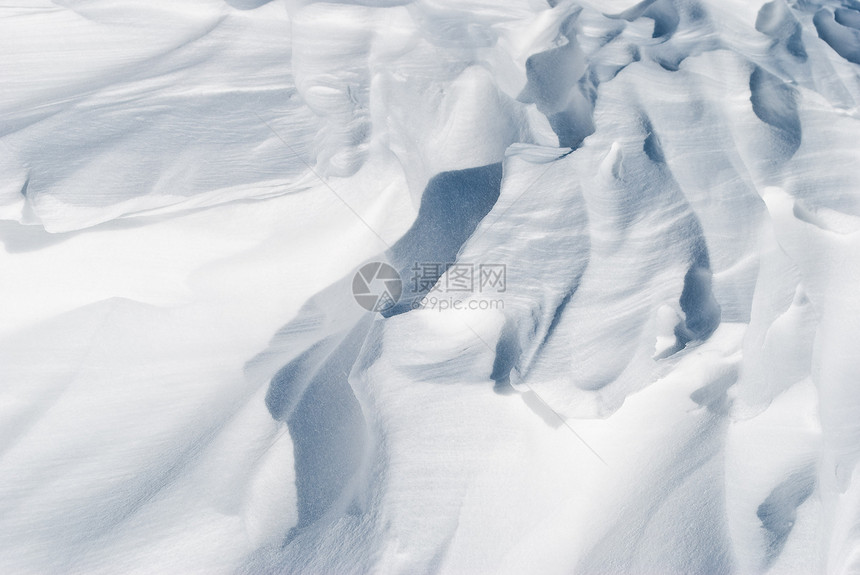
column 664, row 382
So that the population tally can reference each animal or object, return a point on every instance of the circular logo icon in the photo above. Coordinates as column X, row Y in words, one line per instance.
column 376, row 286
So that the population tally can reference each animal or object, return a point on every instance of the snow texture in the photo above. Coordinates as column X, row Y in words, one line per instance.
column 667, row 383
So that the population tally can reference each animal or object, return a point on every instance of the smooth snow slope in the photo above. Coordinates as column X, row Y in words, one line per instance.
column 667, row 384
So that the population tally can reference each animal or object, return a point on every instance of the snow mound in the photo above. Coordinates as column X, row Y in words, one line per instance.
column 628, row 243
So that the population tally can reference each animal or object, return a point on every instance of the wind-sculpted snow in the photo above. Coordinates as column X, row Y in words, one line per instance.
column 653, row 369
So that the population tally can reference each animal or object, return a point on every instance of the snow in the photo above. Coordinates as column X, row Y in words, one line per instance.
column 665, row 382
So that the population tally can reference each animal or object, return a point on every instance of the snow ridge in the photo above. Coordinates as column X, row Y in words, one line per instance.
column 666, row 382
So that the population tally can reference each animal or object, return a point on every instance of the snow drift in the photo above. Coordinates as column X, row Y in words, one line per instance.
column 664, row 383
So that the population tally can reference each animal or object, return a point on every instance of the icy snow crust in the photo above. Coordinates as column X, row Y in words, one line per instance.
column 671, row 385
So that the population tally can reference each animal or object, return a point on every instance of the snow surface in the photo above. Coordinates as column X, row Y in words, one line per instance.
column 668, row 383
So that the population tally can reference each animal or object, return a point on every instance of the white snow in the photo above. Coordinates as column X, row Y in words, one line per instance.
column 667, row 381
